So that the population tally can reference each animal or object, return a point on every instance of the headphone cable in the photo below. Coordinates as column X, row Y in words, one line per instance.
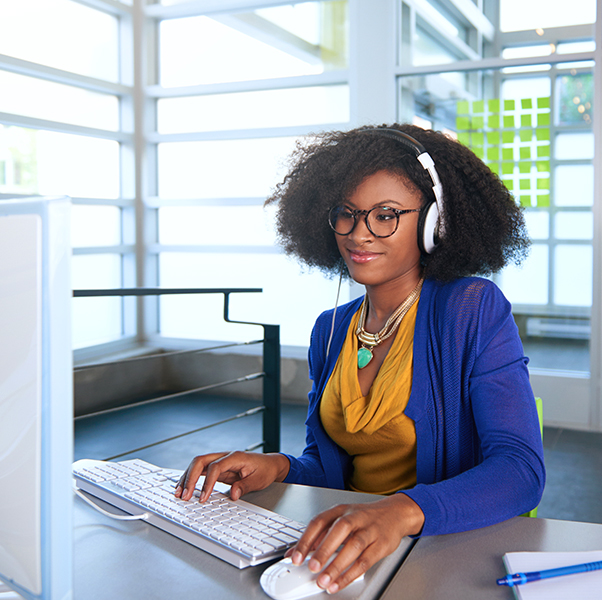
column 334, row 313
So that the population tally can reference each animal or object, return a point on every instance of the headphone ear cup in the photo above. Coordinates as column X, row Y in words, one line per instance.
column 427, row 228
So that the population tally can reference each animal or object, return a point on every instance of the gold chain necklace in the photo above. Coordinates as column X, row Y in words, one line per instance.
column 368, row 341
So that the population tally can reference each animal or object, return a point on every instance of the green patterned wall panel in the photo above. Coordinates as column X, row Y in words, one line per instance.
column 513, row 139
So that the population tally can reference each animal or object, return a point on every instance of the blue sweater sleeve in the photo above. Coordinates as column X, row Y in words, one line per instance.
column 308, row 468
column 485, row 364
column 322, row 463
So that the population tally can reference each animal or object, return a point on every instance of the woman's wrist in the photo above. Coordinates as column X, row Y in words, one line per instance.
column 282, row 464
column 410, row 514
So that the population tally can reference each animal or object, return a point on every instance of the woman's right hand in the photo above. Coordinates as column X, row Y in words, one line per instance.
column 244, row 471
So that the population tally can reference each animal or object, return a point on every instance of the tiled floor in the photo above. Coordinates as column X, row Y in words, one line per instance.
column 574, row 475
column 106, row 436
column 573, row 459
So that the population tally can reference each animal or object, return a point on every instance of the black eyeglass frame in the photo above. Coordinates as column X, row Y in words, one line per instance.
column 355, row 212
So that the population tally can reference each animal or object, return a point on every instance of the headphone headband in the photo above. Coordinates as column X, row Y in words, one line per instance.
column 398, row 136
column 431, row 227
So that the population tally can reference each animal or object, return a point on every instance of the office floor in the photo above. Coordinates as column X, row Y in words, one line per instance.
column 573, row 459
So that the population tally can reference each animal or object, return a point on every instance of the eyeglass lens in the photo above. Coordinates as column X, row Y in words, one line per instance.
column 381, row 220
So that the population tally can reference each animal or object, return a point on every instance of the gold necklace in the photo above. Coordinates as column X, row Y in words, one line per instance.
column 368, row 341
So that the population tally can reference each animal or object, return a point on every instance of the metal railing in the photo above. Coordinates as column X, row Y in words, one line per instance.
column 270, row 374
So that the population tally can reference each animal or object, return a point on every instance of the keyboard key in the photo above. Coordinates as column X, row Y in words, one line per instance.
column 246, row 530
column 287, row 539
column 249, row 541
column 276, row 544
column 96, row 477
column 259, row 535
column 249, row 551
column 237, row 544
column 255, row 518
column 281, row 519
column 238, row 519
column 291, row 532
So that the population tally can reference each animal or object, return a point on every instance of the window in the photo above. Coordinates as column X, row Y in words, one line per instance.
column 33, row 97
column 225, row 128
column 516, row 15
column 283, row 41
column 60, row 26
column 222, row 168
column 254, row 110
column 62, row 133
column 54, row 163
column 534, row 130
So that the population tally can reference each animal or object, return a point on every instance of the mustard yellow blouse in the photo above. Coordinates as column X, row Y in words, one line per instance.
column 373, row 429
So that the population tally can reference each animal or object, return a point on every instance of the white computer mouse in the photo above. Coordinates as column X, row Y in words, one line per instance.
column 285, row 581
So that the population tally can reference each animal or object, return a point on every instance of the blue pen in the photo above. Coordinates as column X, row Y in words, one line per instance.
column 520, row 578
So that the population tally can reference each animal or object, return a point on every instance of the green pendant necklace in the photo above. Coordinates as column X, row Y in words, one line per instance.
column 369, row 341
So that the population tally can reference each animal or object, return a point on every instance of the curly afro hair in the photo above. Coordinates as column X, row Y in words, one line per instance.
column 484, row 226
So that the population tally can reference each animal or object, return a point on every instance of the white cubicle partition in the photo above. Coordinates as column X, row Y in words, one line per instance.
column 36, row 399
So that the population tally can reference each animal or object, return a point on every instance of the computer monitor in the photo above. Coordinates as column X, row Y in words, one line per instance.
column 36, row 398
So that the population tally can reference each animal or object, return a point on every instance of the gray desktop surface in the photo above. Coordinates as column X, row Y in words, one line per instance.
column 465, row 566
column 131, row 559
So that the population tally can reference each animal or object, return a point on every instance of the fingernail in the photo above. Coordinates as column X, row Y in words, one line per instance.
column 323, row 581
column 178, row 491
column 314, row 565
column 333, row 589
column 184, row 492
column 297, row 558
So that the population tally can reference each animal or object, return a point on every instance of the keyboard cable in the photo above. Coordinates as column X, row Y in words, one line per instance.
column 142, row 516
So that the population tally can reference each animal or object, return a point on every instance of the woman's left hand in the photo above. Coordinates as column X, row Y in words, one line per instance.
column 368, row 533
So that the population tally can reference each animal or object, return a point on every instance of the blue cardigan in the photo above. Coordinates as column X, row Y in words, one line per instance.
column 479, row 448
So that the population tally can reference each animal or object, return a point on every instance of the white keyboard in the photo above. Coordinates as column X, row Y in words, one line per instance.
column 235, row 531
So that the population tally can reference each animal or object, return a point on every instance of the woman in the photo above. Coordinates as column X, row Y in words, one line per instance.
column 420, row 390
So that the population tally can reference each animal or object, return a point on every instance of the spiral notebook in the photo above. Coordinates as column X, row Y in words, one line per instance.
column 582, row 586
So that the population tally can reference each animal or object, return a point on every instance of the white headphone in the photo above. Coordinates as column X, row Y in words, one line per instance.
column 430, row 221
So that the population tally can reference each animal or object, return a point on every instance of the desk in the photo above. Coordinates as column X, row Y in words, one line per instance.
column 132, row 560
column 464, row 566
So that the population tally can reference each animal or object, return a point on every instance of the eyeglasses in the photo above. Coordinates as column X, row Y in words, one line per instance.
column 381, row 221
